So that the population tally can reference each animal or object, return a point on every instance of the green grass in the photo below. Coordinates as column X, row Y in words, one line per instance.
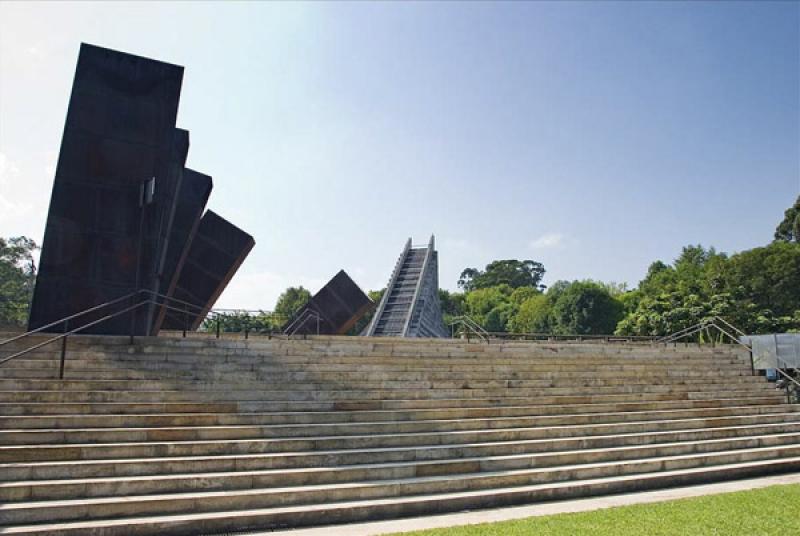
column 767, row 511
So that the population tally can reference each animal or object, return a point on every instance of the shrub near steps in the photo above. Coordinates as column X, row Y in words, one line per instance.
column 188, row 436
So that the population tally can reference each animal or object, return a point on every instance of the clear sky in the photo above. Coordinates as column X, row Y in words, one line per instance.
column 593, row 137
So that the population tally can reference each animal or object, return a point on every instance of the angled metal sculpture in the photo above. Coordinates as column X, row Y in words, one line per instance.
column 334, row 310
column 123, row 209
column 410, row 306
column 193, row 195
column 217, row 250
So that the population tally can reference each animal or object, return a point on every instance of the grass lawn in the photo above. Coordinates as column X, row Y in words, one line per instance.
column 773, row 510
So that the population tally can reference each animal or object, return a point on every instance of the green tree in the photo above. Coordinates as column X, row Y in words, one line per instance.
column 765, row 285
column 788, row 230
column 533, row 316
column 585, row 308
column 452, row 304
column 17, row 279
column 490, row 307
column 757, row 290
column 290, row 301
column 513, row 273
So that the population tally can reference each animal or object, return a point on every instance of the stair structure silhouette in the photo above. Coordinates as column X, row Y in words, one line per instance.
column 203, row 436
column 410, row 306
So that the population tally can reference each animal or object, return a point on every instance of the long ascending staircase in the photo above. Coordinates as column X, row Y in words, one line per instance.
column 410, row 306
column 192, row 436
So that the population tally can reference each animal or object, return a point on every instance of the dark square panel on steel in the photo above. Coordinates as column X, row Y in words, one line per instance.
column 339, row 304
column 217, row 250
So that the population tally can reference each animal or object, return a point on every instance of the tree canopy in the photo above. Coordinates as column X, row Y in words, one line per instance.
column 511, row 272
column 290, row 301
column 788, row 229
column 17, row 279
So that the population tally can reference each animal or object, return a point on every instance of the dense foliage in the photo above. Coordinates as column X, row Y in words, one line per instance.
column 512, row 272
column 757, row 290
column 17, row 278
column 788, row 230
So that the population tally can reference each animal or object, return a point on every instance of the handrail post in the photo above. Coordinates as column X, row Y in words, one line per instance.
column 133, row 318
column 185, row 320
column 63, row 350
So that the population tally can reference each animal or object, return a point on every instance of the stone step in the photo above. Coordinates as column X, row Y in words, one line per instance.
column 314, row 411
column 489, row 417
column 347, row 400
column 134, row 371
column 247, row 362
column 164, row 444
column 366, row 509
column 555, row 426
column 404, row 485
column 218, row 462
column 350, row 345
column 498, row 384
column 175, row 482
column 351, row 401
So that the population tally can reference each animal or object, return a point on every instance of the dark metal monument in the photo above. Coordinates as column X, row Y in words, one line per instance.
column 217, row 251
column 410, row 306
column 334, row 310
column 124, row 211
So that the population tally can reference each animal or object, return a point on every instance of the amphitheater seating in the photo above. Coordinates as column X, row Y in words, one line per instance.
column 204, row 436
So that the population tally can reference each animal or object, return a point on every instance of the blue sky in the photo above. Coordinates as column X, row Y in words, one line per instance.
column 593, row 137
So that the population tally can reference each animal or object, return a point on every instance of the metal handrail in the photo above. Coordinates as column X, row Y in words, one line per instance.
column 63, row 336
column 788, row 377
column 305, row 316
column 570, row 336
column 68, row 318
column 470, row 325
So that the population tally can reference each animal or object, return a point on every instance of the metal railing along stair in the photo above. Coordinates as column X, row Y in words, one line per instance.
column 160, row 300
column 790, row 384
column 470, row 326
column 305, row 317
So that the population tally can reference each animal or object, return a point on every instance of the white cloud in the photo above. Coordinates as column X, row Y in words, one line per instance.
column 548, row 241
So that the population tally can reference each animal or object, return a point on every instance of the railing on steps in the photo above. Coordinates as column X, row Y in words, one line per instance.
column 788, row 382
column 309, row 315
column 469, row 326
column 160, row 300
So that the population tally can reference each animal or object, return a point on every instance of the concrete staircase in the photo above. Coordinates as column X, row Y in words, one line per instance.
column 197, row 436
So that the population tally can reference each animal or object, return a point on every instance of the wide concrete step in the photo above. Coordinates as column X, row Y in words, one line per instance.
column 404, row 505
column 164, row 465
column 210, row 501
column 533, row 427
column 498, row 384
column 489, row 417
column 348, row 401
column 149, row 393
column 420, row 366
column 134, row 371
column 28, row 452
column 326, row 412
column 175, row 482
